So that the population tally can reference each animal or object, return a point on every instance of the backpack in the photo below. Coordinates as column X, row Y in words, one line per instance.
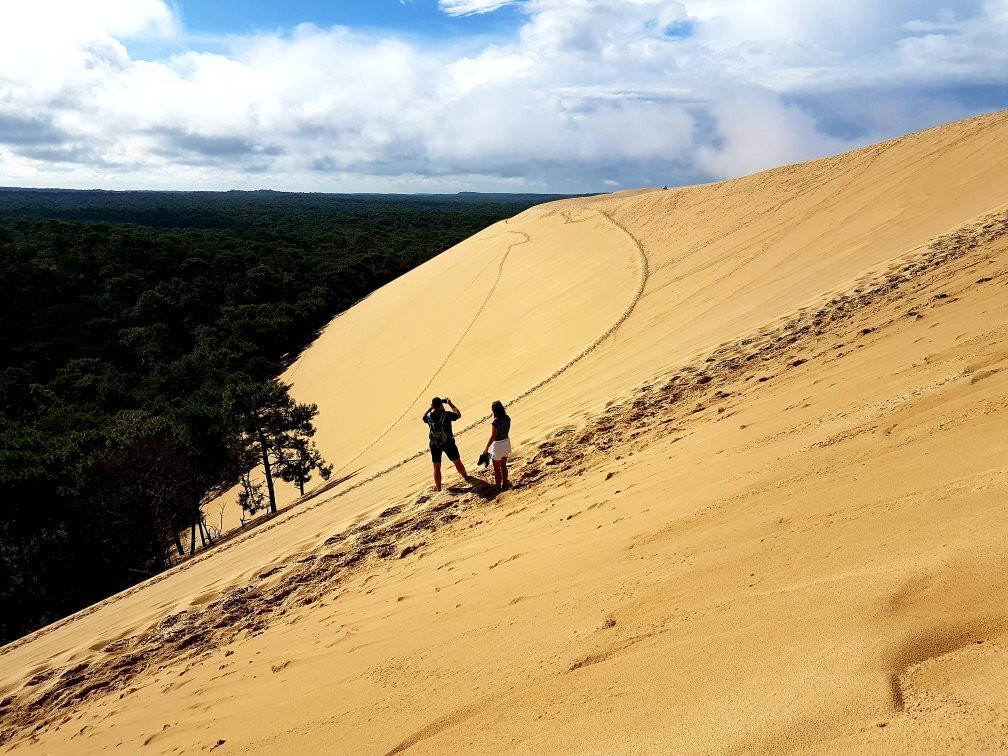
column 438, row 435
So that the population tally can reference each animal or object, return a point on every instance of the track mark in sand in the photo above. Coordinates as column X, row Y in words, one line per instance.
column 644, row 276
column 607, row 653
column 440, row 725
column 568, row 215
column 926, row 645
column 293, row 367
column 448, row 356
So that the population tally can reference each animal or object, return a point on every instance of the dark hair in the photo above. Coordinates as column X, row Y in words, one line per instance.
column 436, row 402
column 498, row 409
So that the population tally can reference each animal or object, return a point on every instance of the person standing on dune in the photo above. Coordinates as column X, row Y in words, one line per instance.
column 438, row 421
column 499, row 445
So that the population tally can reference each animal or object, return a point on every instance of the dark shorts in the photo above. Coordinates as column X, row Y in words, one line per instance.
column 449, row 448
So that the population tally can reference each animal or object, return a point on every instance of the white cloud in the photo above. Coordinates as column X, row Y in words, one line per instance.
column 470, row 7
column 756, row 131
column 635, row 92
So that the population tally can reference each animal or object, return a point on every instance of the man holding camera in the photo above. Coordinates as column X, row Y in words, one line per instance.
column 438, row 421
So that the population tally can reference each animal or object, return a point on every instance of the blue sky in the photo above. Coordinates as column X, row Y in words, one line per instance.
column 484, row 95
column 419, row 18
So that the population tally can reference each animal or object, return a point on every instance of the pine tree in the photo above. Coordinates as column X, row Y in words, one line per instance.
column 297, row 460
column 279, row 430
column 250, row 498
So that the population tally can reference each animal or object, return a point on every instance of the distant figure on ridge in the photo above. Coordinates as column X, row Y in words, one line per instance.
column 499, row 445
column 439, row 421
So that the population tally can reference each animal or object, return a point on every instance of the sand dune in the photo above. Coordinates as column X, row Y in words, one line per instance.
column 762, row 483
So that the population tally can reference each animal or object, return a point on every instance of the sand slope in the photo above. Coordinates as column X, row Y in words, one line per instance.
column 762, row 467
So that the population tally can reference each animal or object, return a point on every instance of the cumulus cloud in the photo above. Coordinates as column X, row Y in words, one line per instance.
column 584, row 94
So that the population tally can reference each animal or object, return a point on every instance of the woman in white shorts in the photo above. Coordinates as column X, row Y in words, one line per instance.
column 499, row 444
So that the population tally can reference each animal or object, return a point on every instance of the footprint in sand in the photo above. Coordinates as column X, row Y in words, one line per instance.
column 505, row 561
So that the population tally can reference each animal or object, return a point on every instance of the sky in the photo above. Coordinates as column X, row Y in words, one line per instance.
column 474, row 95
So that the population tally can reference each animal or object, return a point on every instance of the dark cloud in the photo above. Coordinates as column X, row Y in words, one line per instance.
column 182, row 142
column 616, row 174
column 873, row 113
column 66, row 153
column 18, row 130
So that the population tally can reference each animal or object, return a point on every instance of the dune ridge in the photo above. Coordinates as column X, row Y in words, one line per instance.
column 762, row 512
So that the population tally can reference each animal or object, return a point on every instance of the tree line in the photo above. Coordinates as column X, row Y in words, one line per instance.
column 141, row 334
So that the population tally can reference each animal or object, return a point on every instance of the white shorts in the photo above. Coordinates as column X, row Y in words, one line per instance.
column 500, row 449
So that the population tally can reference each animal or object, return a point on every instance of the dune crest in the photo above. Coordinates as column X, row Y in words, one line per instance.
column 761, row 481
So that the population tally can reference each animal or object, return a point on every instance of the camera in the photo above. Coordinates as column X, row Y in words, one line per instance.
column 446, row 400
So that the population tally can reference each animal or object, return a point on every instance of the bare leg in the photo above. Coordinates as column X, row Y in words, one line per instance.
column 461, row 469
column 437, row 476
column 503, row 468
column 497, row 472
